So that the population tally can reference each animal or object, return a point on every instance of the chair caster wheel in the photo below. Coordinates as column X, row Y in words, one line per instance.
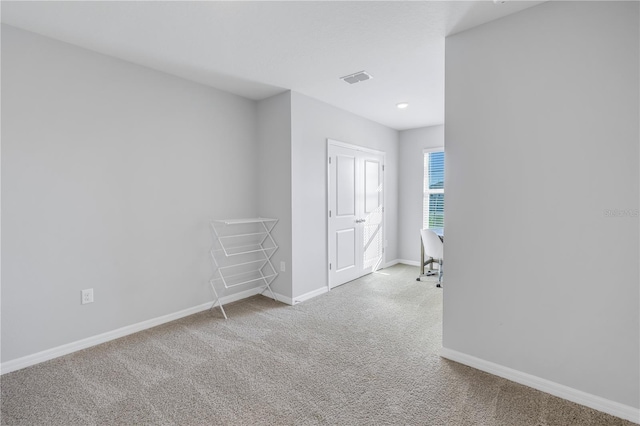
column 418, row 279
column 439, row 285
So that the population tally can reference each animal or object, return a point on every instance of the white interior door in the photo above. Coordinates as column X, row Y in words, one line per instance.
column 356, row 225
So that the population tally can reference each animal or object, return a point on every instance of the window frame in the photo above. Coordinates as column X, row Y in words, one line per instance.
column 426, row 191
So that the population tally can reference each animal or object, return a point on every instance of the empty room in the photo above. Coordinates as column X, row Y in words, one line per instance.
column 233, row 213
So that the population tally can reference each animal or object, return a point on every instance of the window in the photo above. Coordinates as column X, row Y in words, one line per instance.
column 433, row 204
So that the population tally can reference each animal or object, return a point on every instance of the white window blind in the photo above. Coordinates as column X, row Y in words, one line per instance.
column 433, row 204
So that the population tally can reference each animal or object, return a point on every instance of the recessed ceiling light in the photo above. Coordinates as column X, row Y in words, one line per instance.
column 402, row 105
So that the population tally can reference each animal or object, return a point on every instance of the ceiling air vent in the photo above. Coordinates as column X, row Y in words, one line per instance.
column 356, row 77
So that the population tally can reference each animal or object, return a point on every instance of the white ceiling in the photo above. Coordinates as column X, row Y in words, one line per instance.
column 258, row 49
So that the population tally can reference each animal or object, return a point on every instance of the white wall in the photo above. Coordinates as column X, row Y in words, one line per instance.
column 312, row 122
column 274, row 180
column 542, row 139
column 411, row 191
column 110, row 174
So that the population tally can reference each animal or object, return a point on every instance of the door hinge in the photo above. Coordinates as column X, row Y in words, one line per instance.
column 329, row 160
column 329, row 213
column 383, row 167
column 329, row 266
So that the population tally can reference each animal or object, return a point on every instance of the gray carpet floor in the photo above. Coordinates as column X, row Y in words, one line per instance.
column 364, row 354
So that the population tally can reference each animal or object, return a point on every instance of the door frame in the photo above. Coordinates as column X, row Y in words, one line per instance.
column 328, row 200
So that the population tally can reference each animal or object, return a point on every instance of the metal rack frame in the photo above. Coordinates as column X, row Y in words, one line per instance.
column 260, row 244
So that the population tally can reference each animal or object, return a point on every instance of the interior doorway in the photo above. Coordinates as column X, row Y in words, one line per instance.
column 356, row 211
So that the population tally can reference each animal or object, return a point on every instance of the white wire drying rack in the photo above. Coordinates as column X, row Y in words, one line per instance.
column 242, row 253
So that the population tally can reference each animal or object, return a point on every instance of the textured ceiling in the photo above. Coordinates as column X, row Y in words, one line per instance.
column 258, row 49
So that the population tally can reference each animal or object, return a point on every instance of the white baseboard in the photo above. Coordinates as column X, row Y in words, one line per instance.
column 281, row 298
column 311, row 294
column 238, row 296
column 29, row 360
column 409, row 262
column 565, row 392
column 403, row 261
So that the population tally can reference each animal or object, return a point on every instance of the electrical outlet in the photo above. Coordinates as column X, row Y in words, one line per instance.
column 282, row 267
column 87, row 296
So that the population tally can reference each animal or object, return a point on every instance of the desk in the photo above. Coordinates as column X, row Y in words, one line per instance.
column 439, row 232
